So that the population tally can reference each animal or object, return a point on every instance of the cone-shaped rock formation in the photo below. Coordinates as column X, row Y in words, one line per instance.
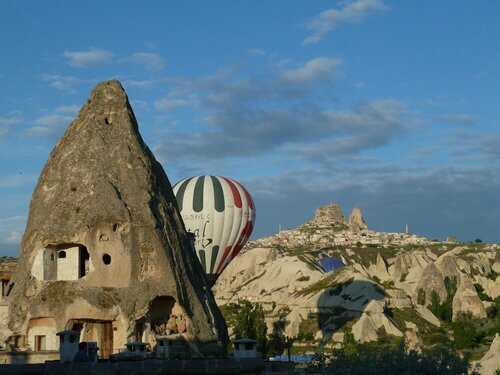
column 356, row 221
column 105, row 250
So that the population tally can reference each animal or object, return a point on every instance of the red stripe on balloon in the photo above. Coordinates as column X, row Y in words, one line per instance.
column 245, row 234
column 236, row 250
column 223, row 259
column 249, row 198
column 236, row 193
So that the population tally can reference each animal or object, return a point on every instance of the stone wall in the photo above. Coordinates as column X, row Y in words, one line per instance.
column 23, row 358
column 148, row 367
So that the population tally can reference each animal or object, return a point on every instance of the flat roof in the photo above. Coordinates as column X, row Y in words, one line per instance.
column 245, row 341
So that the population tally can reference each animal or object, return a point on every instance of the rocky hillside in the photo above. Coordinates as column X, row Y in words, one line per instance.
column 389, row 287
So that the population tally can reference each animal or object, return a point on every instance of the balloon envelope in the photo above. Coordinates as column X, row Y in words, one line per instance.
column 330, row 263
column 220, row 213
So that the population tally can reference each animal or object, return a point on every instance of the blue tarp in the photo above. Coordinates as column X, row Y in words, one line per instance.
column 330, row 263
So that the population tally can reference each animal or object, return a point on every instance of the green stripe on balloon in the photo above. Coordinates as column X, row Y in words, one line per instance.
column 198, row 194
column 201, row 253
column 180, row 193
column 215, row 252
column 218, row 194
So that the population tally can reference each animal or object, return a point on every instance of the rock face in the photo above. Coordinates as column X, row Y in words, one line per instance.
column 331, row 215
column 328, row 215
column 356, row 220
column 105, row 250
column 373, row 319
column 444, row 270
column 490, row 363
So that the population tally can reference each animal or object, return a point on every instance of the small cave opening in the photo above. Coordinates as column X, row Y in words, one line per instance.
column 106, row 259
column 161, row 316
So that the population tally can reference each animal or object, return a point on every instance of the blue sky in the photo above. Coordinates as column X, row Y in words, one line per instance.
column 391, row 106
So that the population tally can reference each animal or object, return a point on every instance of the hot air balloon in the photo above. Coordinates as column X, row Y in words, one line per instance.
column 220, row 213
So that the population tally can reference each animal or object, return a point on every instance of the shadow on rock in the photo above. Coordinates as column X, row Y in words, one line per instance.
column 343, row 302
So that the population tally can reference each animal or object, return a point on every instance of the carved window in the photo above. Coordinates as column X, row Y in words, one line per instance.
column 106, row 259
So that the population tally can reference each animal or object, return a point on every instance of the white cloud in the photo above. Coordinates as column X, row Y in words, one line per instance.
column 73, row 109
column 283, row 115
column 84, row 59
column 49, row 126
column 10, row 221
column 458, row 119
column 151, row 61
column 13, row 238
column 144, row 84
column 167, row 104
column 63, row 83
column 351, row 12
column 5, row 123
column 17, row 180
column 9, row 121
column 40, row 132
column 139, row 103
column 11, row 231
column 256, row 52
column 316, row 69
column 365, row 127
column 471, row 147
column 52, row 120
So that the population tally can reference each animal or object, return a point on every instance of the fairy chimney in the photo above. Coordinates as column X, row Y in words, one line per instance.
column 105, row 251
column 356, row 220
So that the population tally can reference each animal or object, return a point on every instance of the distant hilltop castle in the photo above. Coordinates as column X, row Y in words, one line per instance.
column 329, row 227
column 331, row 215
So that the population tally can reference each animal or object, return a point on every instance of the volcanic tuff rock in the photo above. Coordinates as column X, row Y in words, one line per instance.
column 372, row 320
column 328, row 215
column 331, row 215
column 490, row 363
column 386, row 287
column 356, row 220
column 102, row 192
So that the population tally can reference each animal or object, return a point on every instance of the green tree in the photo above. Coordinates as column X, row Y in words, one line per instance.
column 480, row 292
column 251, row 324
column 421, row 297
column 435, row 305
column 388, row 361
column 465, row 331
column 350, row 346
column 278, row 341
column 244, row 326
column 444, row 310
